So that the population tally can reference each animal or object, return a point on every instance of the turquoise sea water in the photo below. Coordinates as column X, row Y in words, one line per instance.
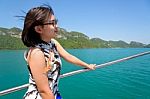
column 125, row 80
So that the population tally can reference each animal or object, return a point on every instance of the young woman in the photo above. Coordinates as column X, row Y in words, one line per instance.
column 43, row 56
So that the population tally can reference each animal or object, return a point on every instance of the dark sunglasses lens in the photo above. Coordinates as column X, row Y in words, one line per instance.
column 53, row 22
column 56, row 21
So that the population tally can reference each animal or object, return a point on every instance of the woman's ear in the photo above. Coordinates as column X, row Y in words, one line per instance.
column 38, row 29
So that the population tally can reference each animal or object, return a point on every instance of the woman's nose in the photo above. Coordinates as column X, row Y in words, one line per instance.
column 56, row 28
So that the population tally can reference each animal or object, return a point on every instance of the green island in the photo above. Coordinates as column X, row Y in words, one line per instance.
column 11, row 39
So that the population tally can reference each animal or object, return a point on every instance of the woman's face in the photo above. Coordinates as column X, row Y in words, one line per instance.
column 49, row 29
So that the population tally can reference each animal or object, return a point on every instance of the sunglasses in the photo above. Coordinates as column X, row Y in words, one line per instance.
column 51, row 22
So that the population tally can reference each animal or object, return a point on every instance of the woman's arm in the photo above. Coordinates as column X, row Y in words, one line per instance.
column 72, row 59
column 37, row 64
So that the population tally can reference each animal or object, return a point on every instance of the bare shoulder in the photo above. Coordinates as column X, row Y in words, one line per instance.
column 55, row 41
column 35, row 53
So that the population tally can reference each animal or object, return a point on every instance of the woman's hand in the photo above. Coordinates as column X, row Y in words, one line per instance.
column 91, row 66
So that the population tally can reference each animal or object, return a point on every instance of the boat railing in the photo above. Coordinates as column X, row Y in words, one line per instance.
column 7, row 91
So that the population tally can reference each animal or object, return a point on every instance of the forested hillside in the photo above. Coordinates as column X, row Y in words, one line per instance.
column 10, row 39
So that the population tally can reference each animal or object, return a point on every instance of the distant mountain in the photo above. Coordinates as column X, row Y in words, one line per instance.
column 14, row 32
column 100, row 43
column 10, row 39
column 147, row 46
column 137, row 44
column 120, row 44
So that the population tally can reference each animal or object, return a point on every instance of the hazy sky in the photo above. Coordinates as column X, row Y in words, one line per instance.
column 127, row 20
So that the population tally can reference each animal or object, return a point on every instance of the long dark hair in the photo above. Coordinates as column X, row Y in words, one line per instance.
column 35, row 16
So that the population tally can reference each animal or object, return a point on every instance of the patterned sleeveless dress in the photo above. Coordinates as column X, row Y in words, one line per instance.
column 52, row 59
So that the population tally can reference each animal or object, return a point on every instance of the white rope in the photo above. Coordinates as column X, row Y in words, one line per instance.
column 76, row 72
